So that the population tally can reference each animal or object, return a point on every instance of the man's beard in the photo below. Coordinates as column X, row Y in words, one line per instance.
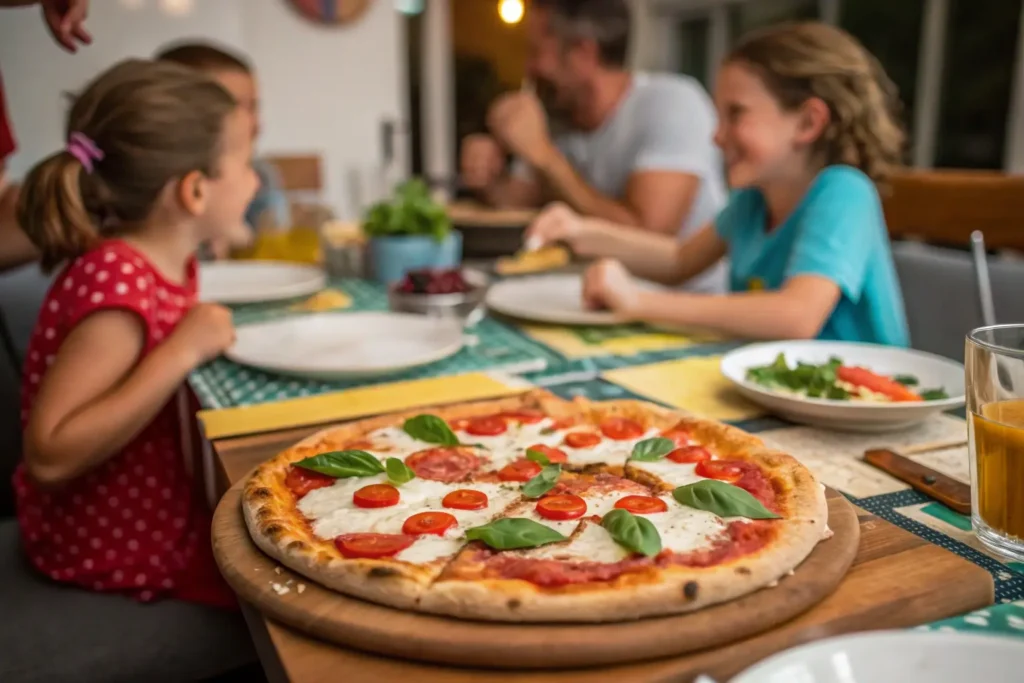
column 559, row 112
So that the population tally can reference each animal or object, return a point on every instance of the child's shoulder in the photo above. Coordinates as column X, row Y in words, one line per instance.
column 840, row 179
column 106, row 256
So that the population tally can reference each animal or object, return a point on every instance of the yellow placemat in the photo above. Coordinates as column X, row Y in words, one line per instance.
column 692, row 384
column 326, row 300
column 358, row 402
column 572, row 344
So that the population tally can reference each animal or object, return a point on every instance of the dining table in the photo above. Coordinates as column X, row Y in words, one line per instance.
column 249, row 415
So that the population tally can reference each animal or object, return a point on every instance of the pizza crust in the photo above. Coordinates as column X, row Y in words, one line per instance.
column 279, row 530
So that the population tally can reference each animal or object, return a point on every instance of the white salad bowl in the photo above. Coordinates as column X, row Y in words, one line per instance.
column 932, row 372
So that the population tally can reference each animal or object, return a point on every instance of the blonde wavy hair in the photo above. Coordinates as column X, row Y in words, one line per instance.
column 798, row 61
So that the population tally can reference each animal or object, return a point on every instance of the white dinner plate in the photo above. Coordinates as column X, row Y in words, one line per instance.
column 548, row 299
column 243, row 282
column 346, row 345
column 895, row 657
column 932, row 371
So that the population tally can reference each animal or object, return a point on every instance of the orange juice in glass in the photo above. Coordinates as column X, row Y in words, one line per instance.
column 995, row 404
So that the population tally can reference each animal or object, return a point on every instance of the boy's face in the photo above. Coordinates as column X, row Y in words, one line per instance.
column 242, row 87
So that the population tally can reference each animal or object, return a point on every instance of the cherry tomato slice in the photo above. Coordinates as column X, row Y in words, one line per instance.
column 562, row 506
column 642, row 505
column 444, row 463
column 372, row 545
column 527, row 417
column 716, row 469
column 550, row 452
column 432, row 522
column 465, row 499
column 460, row 424
column 301, row 481
column 680, row 437
column 519, row 470
column 582, row 439
column 487, row 426
column 689, row 454
column 376, row 496
column 622, row 429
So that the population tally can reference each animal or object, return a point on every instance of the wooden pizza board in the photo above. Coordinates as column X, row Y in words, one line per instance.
column 410, row 635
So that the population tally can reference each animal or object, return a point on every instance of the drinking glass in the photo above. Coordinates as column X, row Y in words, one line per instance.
column 995, row 404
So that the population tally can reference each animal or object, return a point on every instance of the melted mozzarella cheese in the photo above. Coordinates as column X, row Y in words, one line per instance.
column 512, row 444
column 672, row 473
column 598, row 504
column 609, row 451
column 592, row 544
column 333, row 513
column 397, row 443
column 683, row 529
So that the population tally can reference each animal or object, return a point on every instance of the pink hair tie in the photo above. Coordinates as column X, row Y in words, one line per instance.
column 84, row 149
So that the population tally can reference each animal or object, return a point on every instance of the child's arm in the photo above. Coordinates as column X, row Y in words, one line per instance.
column 651, row 256
column 797, row 311
column 98, row 395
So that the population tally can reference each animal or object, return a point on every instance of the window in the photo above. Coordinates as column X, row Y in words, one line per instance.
column 755, row 14
column 981, row 50
column 692, row 37
column 898, row 57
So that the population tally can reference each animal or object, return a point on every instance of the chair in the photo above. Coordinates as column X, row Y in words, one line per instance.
column 61, row 634
column 945, row 206
column 58, row 634
column 940, row 292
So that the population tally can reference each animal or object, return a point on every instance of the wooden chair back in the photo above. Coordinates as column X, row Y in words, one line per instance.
column 299, row 173
column 945, row 206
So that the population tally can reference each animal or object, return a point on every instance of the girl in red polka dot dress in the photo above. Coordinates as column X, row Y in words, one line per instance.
column 157, row 162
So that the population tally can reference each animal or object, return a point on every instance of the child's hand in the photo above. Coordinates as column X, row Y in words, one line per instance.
column 556, row 223
column 608, row 285
column 205, row 332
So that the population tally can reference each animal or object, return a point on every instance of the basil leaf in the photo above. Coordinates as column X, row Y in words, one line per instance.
column 724, row 500
column 512, row 533
column 633, row 532
column 543, row 482
column 432, row 429
column 650, row 450
column 398, row 472
column 537, row 457
column 933, row 394
column 905, row 380
column 343, row 464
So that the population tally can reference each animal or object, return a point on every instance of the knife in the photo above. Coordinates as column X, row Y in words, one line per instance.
column 951, row 492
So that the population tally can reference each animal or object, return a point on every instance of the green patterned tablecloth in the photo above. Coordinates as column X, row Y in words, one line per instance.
column 498, row 345
column 490, row 345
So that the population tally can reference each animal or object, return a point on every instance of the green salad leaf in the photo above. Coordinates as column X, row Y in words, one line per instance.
column 817, row 381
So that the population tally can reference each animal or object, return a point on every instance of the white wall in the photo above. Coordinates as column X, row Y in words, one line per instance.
column 325, row 90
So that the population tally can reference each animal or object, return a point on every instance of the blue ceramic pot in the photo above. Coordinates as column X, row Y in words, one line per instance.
column 390, row 258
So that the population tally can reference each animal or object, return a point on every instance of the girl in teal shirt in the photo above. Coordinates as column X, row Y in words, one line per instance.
column 806, row 128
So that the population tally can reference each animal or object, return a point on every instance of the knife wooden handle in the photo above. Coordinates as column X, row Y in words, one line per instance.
column 952, row 493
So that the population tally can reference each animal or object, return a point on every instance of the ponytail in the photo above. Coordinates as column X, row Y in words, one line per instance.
column 52, row 212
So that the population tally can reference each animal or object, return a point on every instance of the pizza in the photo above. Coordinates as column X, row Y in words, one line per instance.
column 533, row 261
column 537, row 509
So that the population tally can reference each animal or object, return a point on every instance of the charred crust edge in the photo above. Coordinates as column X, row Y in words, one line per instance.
column 690, row 589
column 382, row 572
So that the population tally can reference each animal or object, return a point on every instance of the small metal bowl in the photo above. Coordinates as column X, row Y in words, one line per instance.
column 468, row 306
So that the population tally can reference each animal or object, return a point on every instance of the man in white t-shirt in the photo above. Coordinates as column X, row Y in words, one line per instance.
column 635, row 149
